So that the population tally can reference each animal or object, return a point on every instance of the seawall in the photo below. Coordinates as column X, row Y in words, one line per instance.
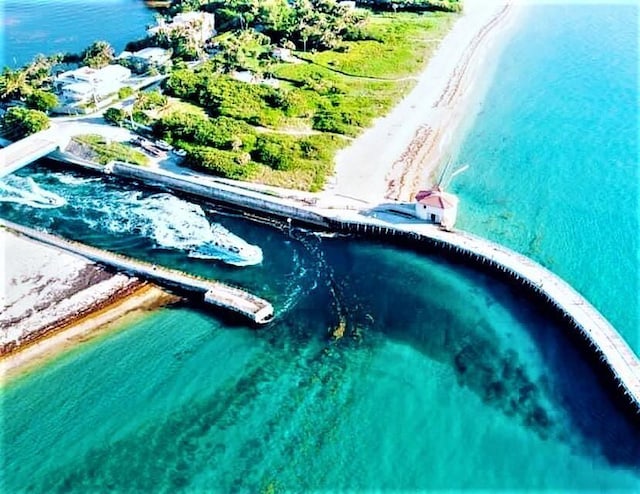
column 396, row 220
column 215, row 293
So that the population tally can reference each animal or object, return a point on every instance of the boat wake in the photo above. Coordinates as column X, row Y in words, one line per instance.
column 171, row 223
column 24, row 190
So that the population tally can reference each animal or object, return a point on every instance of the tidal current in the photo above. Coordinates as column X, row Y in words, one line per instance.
column 446, row 379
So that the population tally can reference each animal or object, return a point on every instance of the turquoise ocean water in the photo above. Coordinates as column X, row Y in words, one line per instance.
column 30, row 27
column 553, row 157
column 446, row 379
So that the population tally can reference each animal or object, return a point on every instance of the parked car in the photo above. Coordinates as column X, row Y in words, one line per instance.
column 164, row 145
column 180, row 152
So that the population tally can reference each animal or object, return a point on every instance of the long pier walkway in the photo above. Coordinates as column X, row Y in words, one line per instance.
column 397, row 220
column 27, row 150
column 258, row 310
column 574, row 308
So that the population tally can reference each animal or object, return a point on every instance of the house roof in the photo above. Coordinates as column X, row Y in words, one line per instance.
column 437, row 198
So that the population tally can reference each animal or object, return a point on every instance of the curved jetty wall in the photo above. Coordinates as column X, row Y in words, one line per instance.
column 604, row 341
column 215, row 293
column 396, row 220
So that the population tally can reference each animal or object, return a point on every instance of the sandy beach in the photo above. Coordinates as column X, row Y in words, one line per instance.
column 403, row 151
column 51, row 300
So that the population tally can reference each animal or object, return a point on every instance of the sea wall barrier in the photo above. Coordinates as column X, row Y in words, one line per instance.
column 396, row 220
column 221, row 295
column 603, row 340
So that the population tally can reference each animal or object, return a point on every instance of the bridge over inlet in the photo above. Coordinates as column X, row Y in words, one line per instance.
column 27, row 150
column 256, row 309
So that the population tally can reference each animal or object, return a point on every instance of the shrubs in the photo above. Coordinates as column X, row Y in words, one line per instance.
column 222, row 132
column 43, row 101
column 115, row 116
column 277, row 152
column 125, row 92
column 228, row 164
column 22, row 122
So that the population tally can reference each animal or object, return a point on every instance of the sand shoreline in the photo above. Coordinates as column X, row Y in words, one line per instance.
column 402, row 152
column 100, row 319
column 51, row 299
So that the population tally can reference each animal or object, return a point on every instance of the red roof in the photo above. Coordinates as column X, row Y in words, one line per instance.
column 437, row 198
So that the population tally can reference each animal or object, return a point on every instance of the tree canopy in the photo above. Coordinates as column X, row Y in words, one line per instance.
column 21, row 122
column 97, row 55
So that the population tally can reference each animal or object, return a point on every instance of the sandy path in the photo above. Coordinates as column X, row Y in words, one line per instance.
column 401, row 153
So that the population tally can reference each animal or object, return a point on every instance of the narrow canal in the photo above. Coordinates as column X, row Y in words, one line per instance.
column 445, row 378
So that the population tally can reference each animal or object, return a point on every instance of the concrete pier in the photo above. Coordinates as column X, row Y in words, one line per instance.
column 602, row 338
column 398, row 220
column 233, row 299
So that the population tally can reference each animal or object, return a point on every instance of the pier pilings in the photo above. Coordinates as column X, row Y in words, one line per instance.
column 572, row 308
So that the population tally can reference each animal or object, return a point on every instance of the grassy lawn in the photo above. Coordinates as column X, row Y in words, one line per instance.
column 104, row 152
column 402, row 45
column 337, row 92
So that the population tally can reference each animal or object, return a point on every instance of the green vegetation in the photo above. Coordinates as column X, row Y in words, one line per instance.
column 291, row 132
column 105, row 151
column 43, row 101
column 115, row 116
column 20, row 122
column 125, row 92
column 99, row 54
column 412, row 5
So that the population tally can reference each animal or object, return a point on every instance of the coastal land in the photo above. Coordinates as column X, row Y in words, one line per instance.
column 404, row 151
column 52, row 300
column 70, row 298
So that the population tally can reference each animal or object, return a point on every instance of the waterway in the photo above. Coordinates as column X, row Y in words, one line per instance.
column 31, row 27
column 446, row 379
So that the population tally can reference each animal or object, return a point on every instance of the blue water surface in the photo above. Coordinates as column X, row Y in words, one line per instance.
column 31, row 27
column 553, row 153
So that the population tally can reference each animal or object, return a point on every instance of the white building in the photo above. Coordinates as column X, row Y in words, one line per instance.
column 146, row 58
column 437, row 206
column 201, row 25
column 85, row 83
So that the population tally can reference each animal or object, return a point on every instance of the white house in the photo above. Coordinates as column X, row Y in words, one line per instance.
column 85, row 83
column 437, row 206
column 142, row 60
column 201, row 25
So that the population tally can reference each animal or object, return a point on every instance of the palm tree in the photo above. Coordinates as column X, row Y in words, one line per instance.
column 13, row 84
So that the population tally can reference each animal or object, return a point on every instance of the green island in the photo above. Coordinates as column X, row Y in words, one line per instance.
column 271, row 98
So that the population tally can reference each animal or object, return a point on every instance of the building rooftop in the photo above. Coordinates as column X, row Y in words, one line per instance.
column 438, row 198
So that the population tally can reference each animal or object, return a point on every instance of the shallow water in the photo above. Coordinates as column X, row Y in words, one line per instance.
column 553, row 154
column 445, row 379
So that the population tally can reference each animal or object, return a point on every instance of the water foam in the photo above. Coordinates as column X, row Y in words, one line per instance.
column 24, row 190
column 171, row 223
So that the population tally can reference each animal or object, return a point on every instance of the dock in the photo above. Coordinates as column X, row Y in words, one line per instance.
column 221, row 295
column 395, row 220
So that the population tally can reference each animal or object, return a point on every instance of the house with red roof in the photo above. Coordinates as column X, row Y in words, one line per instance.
column 437, row 206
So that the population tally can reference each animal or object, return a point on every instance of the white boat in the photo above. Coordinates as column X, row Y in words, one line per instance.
column 227, row 247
